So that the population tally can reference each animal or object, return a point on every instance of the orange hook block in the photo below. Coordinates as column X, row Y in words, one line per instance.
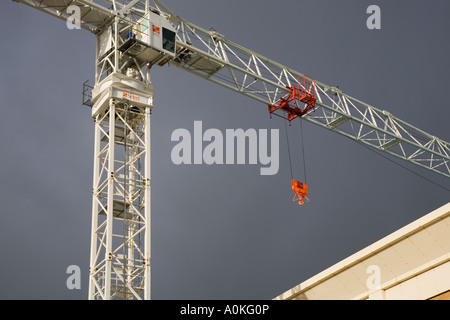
column 301, row 191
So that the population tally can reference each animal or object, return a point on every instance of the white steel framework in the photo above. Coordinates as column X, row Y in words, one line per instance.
column 209, row 55
column 120, row 243
column 122, row 100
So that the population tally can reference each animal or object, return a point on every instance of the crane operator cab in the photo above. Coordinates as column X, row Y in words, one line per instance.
column 301, row 191
column 151, row 40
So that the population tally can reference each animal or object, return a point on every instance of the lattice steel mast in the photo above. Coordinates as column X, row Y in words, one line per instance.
column 134, row 36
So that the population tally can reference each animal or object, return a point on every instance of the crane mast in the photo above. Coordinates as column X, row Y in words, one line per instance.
column 133, row 37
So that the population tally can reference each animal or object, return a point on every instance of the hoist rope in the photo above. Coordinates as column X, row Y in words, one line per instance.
column 303, row 150
column 398, row 164
column 402, row 166
column 289, row 150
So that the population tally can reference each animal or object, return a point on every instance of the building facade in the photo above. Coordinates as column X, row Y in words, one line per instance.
column 412, row 263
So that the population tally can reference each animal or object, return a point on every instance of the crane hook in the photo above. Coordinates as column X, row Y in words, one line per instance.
column 301, row 191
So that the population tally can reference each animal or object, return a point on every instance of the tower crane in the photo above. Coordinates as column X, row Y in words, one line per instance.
column 133, row 36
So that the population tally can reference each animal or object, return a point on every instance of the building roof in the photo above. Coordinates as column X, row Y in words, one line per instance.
column 413, row 250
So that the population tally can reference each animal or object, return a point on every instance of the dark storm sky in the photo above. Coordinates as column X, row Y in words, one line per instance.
column 221, row 231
